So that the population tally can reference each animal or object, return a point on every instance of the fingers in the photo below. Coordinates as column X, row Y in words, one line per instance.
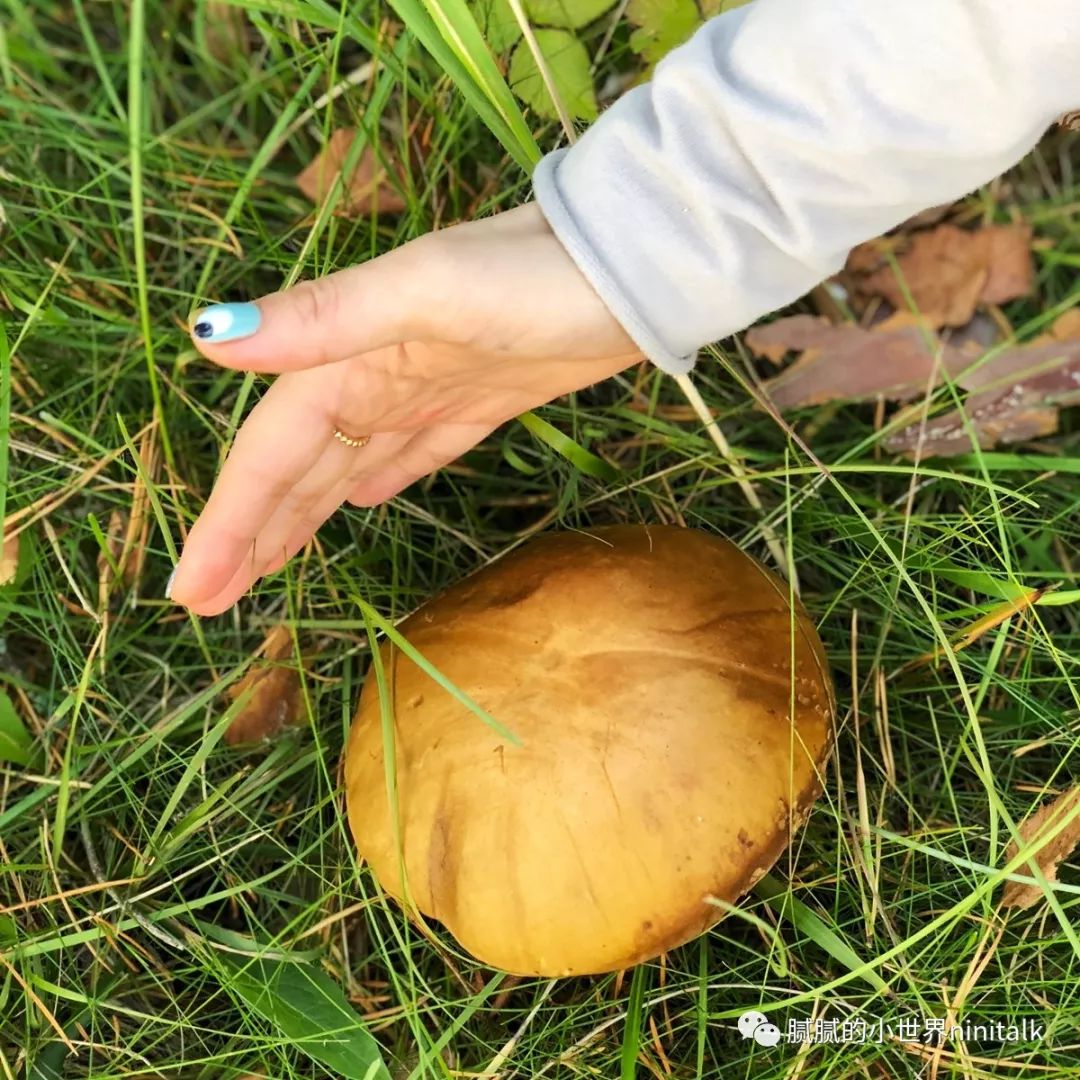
column 221, row 561
column 241, row 537
column 282, row 442
column 378, row 303
column 427, row 451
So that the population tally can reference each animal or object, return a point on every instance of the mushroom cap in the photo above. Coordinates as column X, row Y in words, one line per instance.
column 647, row 672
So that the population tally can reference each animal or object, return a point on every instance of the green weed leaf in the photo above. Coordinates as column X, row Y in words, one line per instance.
column 310, row 1010
column 15, row 740
column 569, row 14
column 496, row 21
column 661, row 26
column 569, row 65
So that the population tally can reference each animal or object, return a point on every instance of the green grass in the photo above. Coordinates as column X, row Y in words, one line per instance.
column 142, row 860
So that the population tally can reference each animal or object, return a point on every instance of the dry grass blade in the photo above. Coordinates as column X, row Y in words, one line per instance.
column 226, row 31
column 9, row 559
column 980, row 626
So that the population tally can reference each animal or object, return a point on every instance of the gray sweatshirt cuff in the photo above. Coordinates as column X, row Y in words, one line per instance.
column 604, row 279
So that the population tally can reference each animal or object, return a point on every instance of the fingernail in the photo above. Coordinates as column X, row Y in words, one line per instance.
column 226, row 322
column 169, row 583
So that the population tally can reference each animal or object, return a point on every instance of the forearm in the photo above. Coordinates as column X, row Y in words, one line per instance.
column 786, row 132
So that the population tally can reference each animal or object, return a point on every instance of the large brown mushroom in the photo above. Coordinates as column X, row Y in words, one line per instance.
column 674, row 714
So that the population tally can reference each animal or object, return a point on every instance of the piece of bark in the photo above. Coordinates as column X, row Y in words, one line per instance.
column 893, row 360
column 1051, row 855
column 1000, row 420
column 1017, row 395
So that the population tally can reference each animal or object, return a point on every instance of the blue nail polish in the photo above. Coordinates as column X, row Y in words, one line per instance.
column 226, row 322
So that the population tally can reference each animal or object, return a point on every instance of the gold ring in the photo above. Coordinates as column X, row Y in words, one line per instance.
column 348, row 440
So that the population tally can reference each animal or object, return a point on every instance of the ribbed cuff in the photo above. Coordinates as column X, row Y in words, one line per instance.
column 561, row 219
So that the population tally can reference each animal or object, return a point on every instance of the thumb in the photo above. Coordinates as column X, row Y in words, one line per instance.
column 378, row 303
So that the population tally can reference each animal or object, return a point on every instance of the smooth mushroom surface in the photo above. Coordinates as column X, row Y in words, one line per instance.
column 674, row 713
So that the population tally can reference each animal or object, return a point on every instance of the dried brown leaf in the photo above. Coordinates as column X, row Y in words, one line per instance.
column 947, row 270
column 369, row 187
column 1007, row 254
column 276, row 699
column 775, row 340
column 1066, row 327
column 277, row 644
column 1052, row 854
column 9, row 559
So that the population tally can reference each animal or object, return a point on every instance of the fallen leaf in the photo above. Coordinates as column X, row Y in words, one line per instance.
column 277, row 644
column 948, row 271
column 9, row 559
column 276, row 699
column 1052, row 854
column 1064, row 328
column 369, row 188
column 1007, row 254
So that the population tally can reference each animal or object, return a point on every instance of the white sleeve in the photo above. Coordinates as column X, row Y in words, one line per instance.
column 786, row 132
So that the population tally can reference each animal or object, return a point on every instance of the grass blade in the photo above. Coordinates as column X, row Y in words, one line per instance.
column 447, row 29
column 782, row 901
column 578, row 456
column 430, row 670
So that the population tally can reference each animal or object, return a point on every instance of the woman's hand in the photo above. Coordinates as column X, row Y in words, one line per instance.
column 426, row 350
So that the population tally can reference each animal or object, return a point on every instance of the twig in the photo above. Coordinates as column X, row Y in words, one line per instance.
column 125, row 908
column 772, row 541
